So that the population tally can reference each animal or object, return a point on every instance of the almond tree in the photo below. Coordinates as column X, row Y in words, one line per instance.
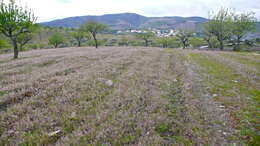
column 207, row 36
column 24, row 38
column 146, row 36
column 184, row 36
column 219, row 25
column 164, row 41
column 79, row 35
column 56, row 39
column 94, row 28
column 15, row 21
column 241, row 25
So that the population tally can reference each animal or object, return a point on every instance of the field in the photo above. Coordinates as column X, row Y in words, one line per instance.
column 129, row 96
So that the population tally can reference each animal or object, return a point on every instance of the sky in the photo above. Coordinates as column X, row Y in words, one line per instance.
column 47, row 10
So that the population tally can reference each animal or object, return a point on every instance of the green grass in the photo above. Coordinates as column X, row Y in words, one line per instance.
column 2, row 93
column 47, row 63
column 245, row 58
column 241, row 98
column 162, row 128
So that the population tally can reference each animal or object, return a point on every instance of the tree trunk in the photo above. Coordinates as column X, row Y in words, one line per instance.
column 238, row 40
column 16, row 51
column 96, row 42
column 79, row 44
column 237, row 44
column 146, row 43
column 221, row 45
column 209, row 43
column 184, row 45
column 56, row 45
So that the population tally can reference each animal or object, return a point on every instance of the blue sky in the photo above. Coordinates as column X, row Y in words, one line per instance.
column 47, row 10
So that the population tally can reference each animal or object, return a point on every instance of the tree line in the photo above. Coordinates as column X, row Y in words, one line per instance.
column 223, row 27
column 84, row 33
column 18, row 24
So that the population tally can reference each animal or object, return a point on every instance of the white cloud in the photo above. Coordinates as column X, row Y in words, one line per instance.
column 52, row 9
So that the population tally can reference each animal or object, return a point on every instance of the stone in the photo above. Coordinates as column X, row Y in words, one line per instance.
column 215, row 95
column 73, row 115
column 221, row 106
column 109, row 83
column 54, row 133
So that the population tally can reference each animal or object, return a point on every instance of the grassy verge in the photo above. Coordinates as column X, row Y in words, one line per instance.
column 235, row 93
column 247, row 59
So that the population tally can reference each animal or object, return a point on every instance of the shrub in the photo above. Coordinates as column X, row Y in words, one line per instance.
column 3, row 44
column 56, row 39
column 257, row 40
column 197, row 42
column 164, row 42
column 123, row 42
column 99, row 42
column 249, row 42
column 33, row 46
column 135, row 43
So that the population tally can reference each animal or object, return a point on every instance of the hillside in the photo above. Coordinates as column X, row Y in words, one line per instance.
column 130, row 20
column 125, row 21
column 129, row 96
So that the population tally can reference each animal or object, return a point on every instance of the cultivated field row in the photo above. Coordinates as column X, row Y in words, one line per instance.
column 129, row 96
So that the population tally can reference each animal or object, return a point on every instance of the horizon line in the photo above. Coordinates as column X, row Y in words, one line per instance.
column 54, row 19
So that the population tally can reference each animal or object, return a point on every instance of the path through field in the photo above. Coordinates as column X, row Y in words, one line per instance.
column 129, row 96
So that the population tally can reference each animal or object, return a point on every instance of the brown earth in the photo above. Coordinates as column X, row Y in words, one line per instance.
column 157, row 97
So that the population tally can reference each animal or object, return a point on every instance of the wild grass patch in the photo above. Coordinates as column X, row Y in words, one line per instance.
column 248, row 59
column 240, row 98
column 2, row 93
column 46, row 63
column 24, row 70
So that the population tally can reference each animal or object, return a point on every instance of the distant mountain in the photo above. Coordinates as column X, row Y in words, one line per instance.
column 130, row 21
column 125, row 21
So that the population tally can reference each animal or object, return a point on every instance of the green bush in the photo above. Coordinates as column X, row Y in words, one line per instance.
column 123, row 42
column 100, row 43
column 237, row 48
column 136, row 43
column 112, row 42
column 56, row 39
column 3, row 44
column 249, row 42
column 162, row 128
column 168, row 42
column 33, row 46
column 257, row 40
column 214, row 42
column 197, row 42
column 163, row 42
